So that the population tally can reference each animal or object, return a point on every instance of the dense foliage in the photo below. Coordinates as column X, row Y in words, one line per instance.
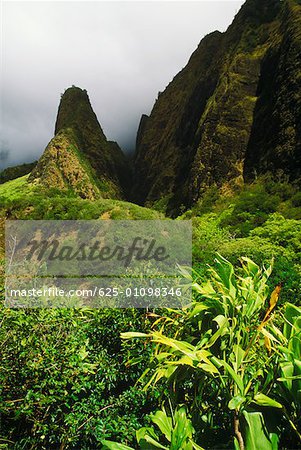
column 69, row 381
column 21, row 200
column 65, row 378
column 234, row 358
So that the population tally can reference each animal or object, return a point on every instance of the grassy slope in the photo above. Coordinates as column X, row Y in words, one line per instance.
column 14, row 189
column 21, row 200
column 261, row 220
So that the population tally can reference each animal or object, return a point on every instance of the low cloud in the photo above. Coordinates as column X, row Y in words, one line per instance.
column 4, row 154
column 123, row 53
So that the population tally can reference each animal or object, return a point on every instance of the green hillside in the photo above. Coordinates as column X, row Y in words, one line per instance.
column 20, row 199
column 221, row 148
column 10, row 173
column 73, row 366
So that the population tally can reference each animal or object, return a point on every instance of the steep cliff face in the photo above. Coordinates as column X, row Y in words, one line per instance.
column 79, row 157
column 234, row 110
column 165, row 138
column 275, row 141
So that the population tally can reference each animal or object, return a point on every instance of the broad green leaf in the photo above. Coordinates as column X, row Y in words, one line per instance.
column 226, row 274
column 184, row 361
column 250, row 265
column 182, row 430
column 114, row 446
column 206, row 290
column 198, row 308
column 222, row 322
column 205, row 363
column 217, row 362
column 236, row 402
column 283, row 350
column 156, row 444
column 292, row 313
column 181, row 346
column 236, row 444
column 163, row 355
column 264, row 400
column 287, row 369
column 140, row 434
column 133, row 334
column 205, row 339
column 255, row 433
column 210, row 368
column 296, row 377
column 239, row 354
column 163, row 422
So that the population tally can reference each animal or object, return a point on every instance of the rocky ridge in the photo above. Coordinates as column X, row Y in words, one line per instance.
column 80, row 158
column 232, row 113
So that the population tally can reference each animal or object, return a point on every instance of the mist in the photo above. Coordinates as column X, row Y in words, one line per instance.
column 123, row 53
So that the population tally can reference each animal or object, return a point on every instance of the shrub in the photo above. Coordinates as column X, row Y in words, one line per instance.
column 65, row 378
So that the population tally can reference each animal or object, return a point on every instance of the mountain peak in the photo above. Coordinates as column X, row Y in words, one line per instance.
column 75, row 111
column 81, row 147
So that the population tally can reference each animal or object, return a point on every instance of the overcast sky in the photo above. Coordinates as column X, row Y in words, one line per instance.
column 123, row 53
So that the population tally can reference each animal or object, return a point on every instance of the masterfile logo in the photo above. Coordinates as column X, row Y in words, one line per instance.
column 48, row 262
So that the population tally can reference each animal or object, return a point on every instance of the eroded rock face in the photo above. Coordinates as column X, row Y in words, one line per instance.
column 79, row 157
column 275, row 141
column 63, row 168
column 233, row 111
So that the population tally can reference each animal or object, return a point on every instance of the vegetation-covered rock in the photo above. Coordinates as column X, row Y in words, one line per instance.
column 20, row 199
column 275, row 140
column 234, row 110
column 11, row 173
column 80, row 157
column 64, row 167
column 106, row 157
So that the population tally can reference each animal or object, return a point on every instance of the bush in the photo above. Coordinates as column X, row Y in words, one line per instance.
column 65, row 378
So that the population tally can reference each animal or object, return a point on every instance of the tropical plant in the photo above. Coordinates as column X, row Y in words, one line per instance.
column 176, row 430
column 290, row 366
column 226, row 339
